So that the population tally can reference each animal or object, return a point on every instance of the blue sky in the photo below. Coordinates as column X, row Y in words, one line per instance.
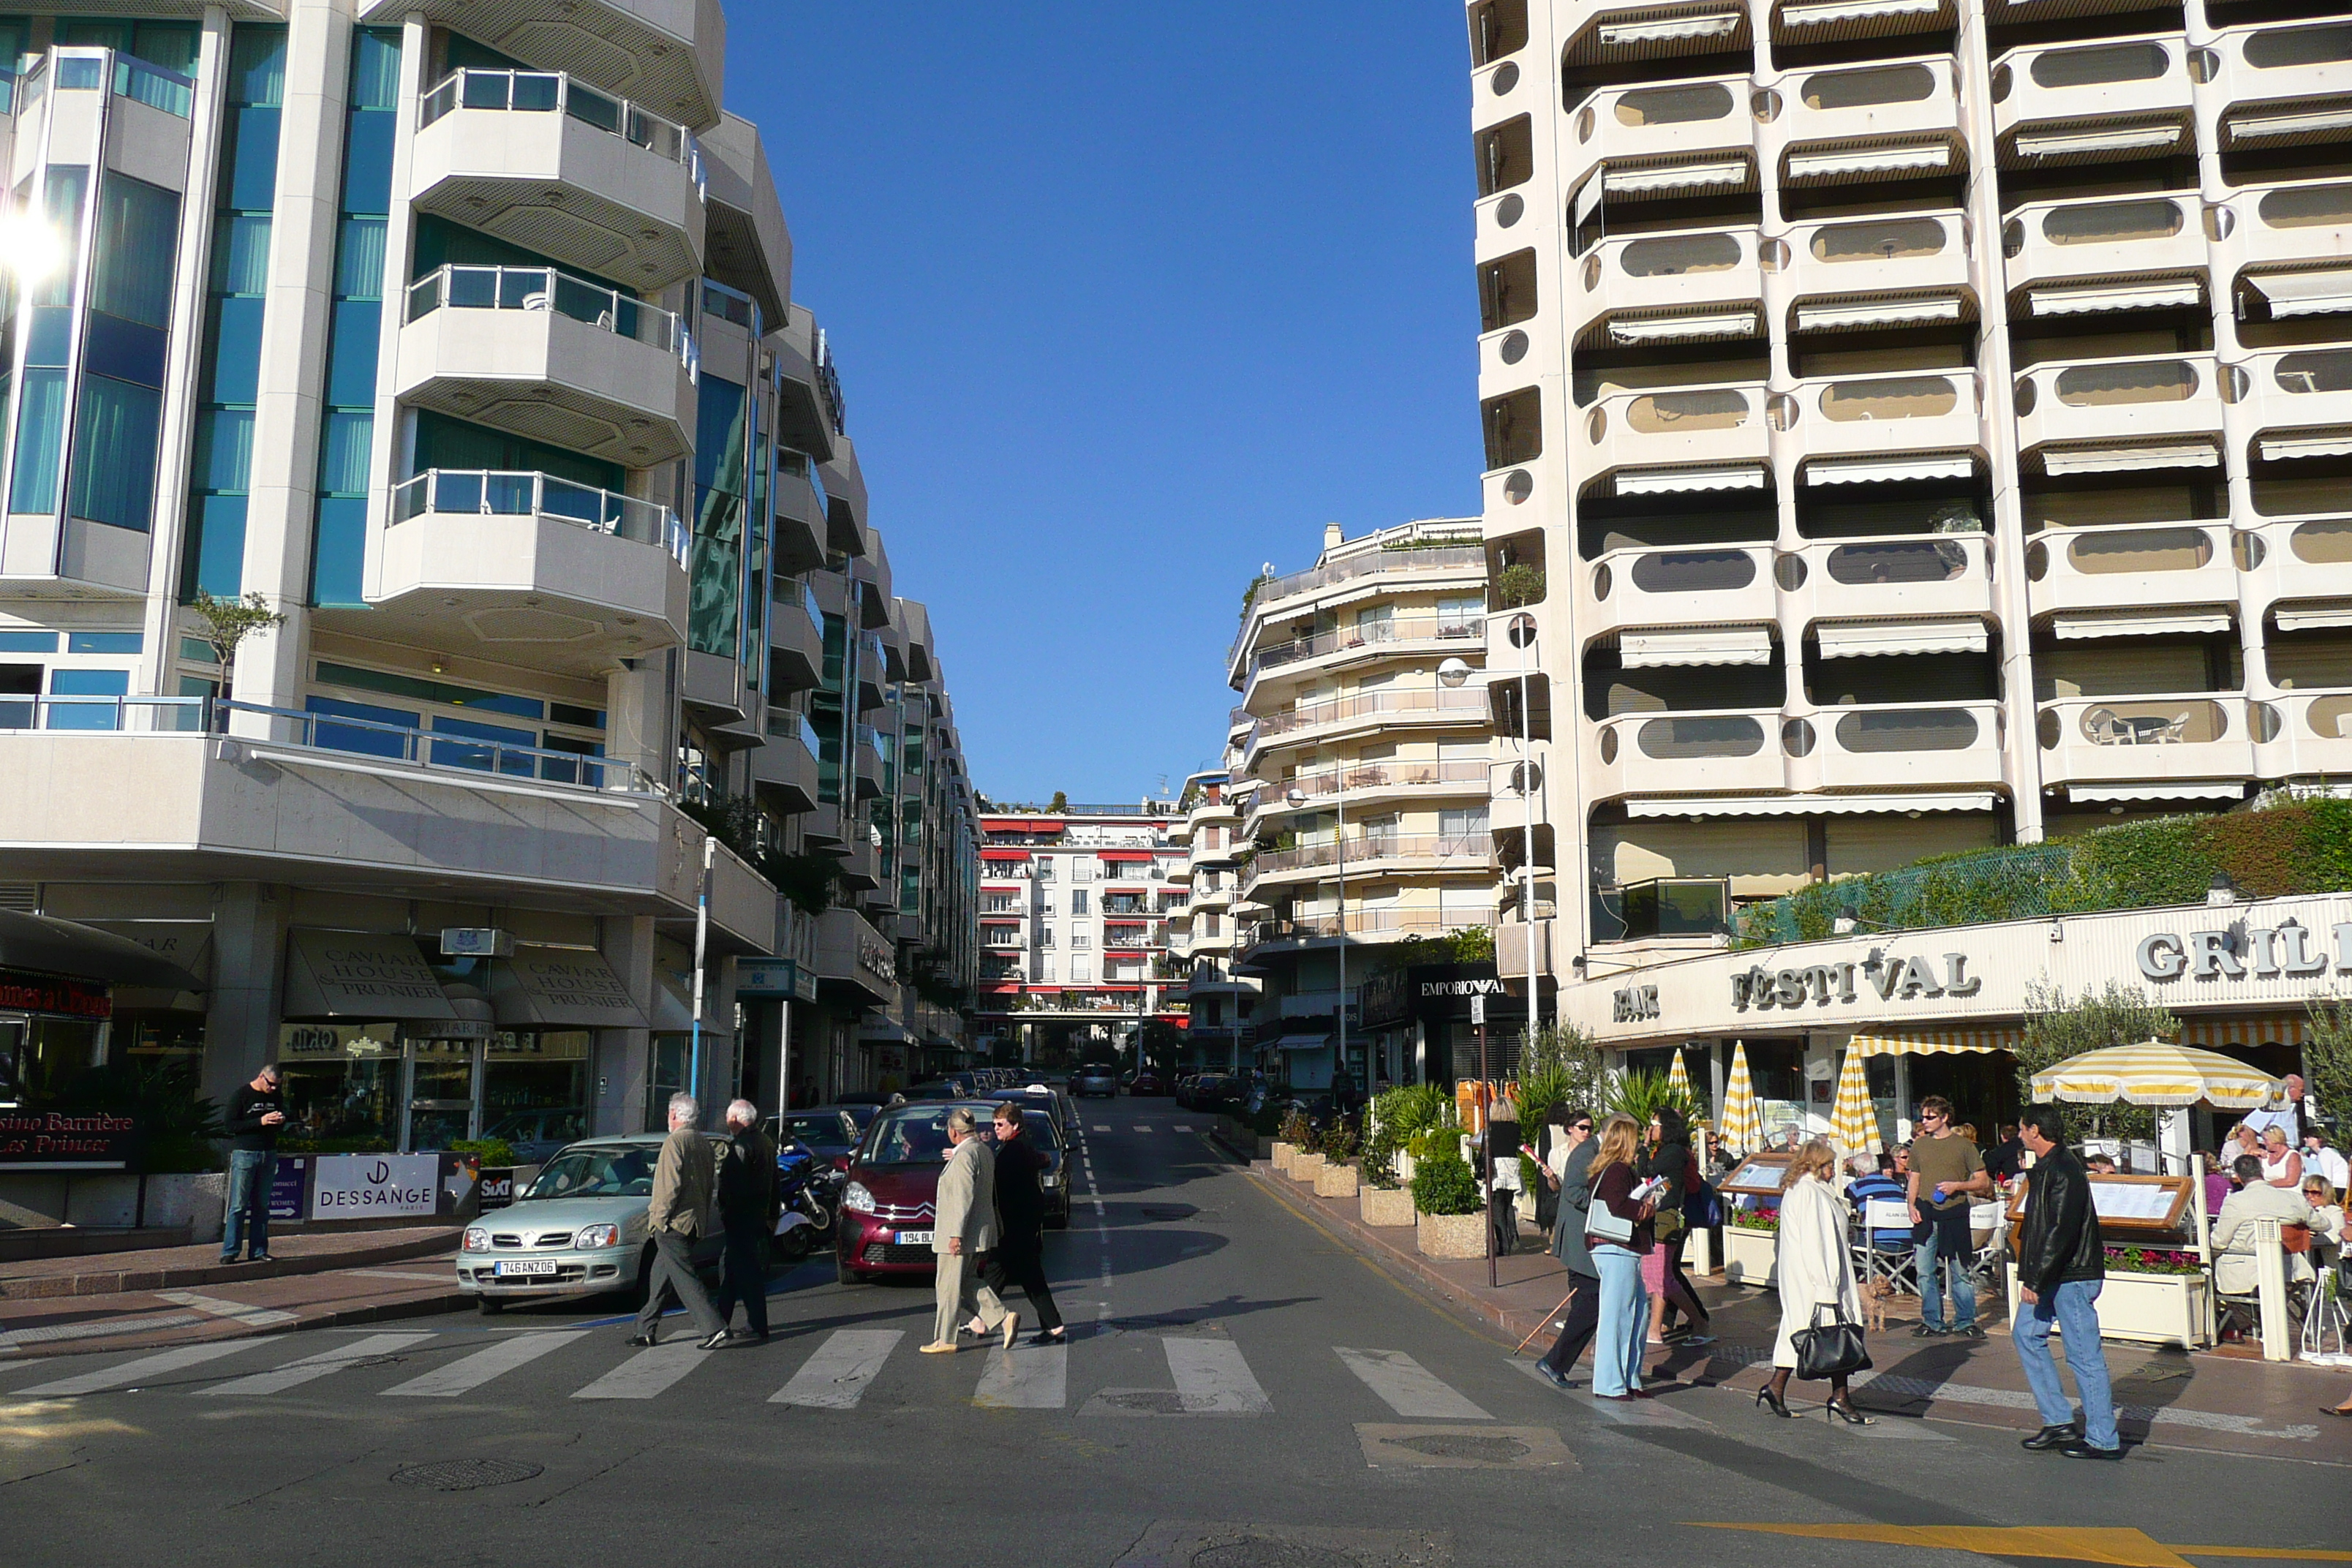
column 1126, row 298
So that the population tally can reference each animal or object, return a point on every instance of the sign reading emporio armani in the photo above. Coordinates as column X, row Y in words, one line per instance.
column 1890, row 976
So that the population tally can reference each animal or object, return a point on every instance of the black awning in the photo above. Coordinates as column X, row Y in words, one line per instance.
column 52, row 946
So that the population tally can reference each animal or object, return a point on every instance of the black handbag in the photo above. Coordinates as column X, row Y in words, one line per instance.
column 1832, row 1351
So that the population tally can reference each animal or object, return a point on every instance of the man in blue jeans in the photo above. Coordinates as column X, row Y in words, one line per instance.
column 1947, row 1170
column 255, row 1112
column 2062, row 1266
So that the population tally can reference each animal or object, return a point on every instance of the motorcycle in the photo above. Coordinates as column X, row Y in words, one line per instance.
column 810, row 1190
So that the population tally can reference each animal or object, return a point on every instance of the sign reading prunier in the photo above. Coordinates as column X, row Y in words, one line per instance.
column 561, row 987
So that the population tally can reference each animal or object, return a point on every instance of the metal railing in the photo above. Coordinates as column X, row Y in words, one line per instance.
column 1388, row 774
column 555, row 92
column 136, row 715
column 465, row 287
column 1371, row 564
column 493, row 492
column 1419, row 700
column 1369, row 634
column 1361, row 847
column 1360, row 922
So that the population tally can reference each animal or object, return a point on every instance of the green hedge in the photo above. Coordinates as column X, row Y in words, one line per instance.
column 2296, row 846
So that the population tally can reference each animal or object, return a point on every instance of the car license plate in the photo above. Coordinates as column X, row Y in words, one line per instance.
column 509, row 1268
column 913, row 1238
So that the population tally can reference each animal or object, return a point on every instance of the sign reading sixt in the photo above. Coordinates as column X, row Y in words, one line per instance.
column 1893, row 977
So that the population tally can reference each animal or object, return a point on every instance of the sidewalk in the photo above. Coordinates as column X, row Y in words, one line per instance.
column 2209, row 1401
column 182, row 1295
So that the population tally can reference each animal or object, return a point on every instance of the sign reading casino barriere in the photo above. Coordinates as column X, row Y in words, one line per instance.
column 2277, row 952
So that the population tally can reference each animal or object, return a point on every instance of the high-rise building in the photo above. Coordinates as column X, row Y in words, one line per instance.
column 1219, row 1034
column 1908, row 427
column 460, row 340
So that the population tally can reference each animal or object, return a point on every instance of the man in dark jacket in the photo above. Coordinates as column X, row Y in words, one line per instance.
column 255, row 1112
column 1582, row 1307
column 1020, row 1254
column 2061, row 1265
column 748, row 1210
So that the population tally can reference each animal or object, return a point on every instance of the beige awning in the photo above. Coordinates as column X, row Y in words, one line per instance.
column 2336, row 442
column 2278, row 126
column 1676, row 481
column 2114, row 459
column 2317, row 293
column 1694, row 646
column 2271, row 1029
column 1675, row 177
column 1827, row 314
column 351, row 975
column 2075, row 143
column 2109, row 794
column 1862, row 639
column 1868, row 160
column 1887, row 470
column 2315, row 617
column 2139, row 624
column 1932, row 1042
column 2090, row 299
column 1806, row 805
column 1834, row 11
column 1715, row 25
column 560, row 987
column 1676, row 329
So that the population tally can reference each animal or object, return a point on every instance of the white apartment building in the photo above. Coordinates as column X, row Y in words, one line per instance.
column 462, row 336
column 1076, row 905
column 1218, row 1033
column 1916, row 426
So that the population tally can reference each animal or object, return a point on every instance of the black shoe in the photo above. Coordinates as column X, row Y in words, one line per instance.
column 644, row 1341
column 229, row 1259
column 2080, row 1448
column 1967, row 1332
column 716, row 1341
column 749, row 1337
column 1674, row 1334
column 1552, row 1375
column 1922, row 1331
column 1843, row 1410
column 1041, row 1339
column 1772, row 1401
column 261, row 1257
column 2052, row 1437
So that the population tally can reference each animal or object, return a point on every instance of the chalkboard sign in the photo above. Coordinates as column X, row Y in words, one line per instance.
column 1759, row 1175
column 2134, row 1204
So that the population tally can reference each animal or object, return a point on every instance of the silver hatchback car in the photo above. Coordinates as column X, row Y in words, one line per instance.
column 579, row 1230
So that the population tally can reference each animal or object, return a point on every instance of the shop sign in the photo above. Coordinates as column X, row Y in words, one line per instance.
column 1633, row 1003
column 2270, row 952
column 362, row 1186
column 24, row 991
column 450, row 1029
column 1892, row 977
column 773, row 977
column 497, row 1190
column 876, row 957
column 289, row 1185
column 298, row 1041
column 67, row 1139
column 476, row 942
column 334, row 974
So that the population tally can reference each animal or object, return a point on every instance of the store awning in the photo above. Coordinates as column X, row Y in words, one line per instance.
column 2320, row 293
column 1934, row 1042
column 2315, row 617
column 2116, row 459
column 1806, row 805
column 2139, row 624
column 48, row 945
column 1831, row 315
column 1684, row 327
column 1694, row 646
column 1673, row 29
column 2270, row 1029
column 1864, row 640
column 2330, row 443
column 2091, row 299
column 1889, row 470
column 1679, row 481
column 1131, row 855
column 1305, row 1042
column 2110, row 795
column 349, row 975
column 1835, row 11
column 560, row 987
column 1868, row 160
column 1004, row 854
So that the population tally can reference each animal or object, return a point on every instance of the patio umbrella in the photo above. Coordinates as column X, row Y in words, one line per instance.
column 1854, row 1124
column 1678, row 1076
column 2156, row 1073
column 1740, row 1125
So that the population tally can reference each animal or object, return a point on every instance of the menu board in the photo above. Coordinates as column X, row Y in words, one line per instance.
column 2136, row 1205
column 1760, row 1175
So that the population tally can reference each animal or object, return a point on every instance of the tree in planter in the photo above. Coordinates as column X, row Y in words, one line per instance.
column 1641, row 1095
column 1519, row 585
column 1567, row 1051
column 1443, row 1184
column 2327, row 1059
column 227, row 623
column 2057, row 1028
column 1297, row 1130
column 1339, row 1143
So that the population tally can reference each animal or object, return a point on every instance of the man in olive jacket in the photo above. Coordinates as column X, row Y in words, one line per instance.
column 2062, row 1266
column 680, row 1212
column 963, row 1225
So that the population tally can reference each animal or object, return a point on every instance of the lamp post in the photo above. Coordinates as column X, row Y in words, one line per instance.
column 1296, row 798
column 1453, row 673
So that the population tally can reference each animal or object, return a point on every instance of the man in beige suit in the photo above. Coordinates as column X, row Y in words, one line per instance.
column 963, row 1225
column 684, row 1181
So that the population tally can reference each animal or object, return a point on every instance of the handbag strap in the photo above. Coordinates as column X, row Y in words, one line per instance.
column 1838, row 1306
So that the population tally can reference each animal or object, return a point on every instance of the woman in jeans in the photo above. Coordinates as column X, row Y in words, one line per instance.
column 1624, row 1305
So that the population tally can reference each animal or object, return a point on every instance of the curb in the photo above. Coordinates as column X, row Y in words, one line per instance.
column 221, row 1328
column 125, row 1281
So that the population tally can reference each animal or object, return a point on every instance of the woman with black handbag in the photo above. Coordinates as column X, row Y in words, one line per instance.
column 1820, row 1309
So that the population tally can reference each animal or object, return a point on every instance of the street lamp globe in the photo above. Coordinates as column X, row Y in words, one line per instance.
column 1296, row 797
column 1453, row 672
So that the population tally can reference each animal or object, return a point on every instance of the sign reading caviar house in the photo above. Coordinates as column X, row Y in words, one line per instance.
column 24, row 991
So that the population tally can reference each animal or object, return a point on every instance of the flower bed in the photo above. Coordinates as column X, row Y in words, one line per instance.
column 2166, row 1306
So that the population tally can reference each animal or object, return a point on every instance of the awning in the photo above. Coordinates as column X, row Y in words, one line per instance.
column 2073, row 143
column 2306, row 122
column 1932, row 1042
column 1677, row 481
column 1868, row 160
column 2274, row 1029
column 2330, row 443
column 2102, row 795
column 1889, row 470
column 1836, row 11
column 346, row 974
column 2139, row 624
column 1673, row 29
column 48, row 945
column 1826, row 314
column 2088, row 299
column 1696, row 644
column 1676, row 178
column 2116, row 459
column 1004, row 855
column 1807, row 804
column 1864, row 639
column 1144, row 854
column 2315, row 617
column 1305, row 1042
column 1678, row 328
column 561, row 987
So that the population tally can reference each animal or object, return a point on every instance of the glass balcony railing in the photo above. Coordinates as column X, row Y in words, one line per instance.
column 495, row 493
column 554, row 92
column 1665, row 906
column 546, row 290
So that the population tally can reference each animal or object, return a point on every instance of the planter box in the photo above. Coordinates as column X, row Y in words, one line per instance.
column 195, row 1199
column 1452, row 1235
column 1748, row 1255
column 1385, row 1205
column 2146, row 1309
column 1305, row 1167
column 1281, row 1154
column 1260, row 1148
column 1336, row 1182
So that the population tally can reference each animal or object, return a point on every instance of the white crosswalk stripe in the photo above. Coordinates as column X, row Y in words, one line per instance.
column 1180, row 1127
column 1212, row 1378
column 1098, row 1127
column 146, row 1369
column 837, row 1375
column 311, row 1368
column 1139, row 1127
column 1408, row 1388
column 1035, row 1377
column 648, row 1371
column 468, row 1372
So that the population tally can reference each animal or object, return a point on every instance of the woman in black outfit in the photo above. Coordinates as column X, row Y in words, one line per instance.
column 1669, row 1155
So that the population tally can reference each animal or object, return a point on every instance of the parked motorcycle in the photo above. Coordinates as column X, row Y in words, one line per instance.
column 810, row 1189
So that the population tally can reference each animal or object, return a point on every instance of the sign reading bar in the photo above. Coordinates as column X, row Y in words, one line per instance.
column 360, row 1187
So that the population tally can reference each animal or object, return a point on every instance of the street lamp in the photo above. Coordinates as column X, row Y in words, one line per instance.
column 1454, row 673
column 1297, row 800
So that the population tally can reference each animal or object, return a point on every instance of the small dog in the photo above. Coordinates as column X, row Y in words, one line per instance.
column 1874, row 1306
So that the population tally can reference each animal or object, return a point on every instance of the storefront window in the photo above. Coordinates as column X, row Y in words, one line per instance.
column 666, row 1077
column 41, row 1058
column 535, row 1087
column 342, row 1085
column 440, row 1092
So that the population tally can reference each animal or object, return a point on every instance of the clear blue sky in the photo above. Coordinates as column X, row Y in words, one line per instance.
column 1127, row 299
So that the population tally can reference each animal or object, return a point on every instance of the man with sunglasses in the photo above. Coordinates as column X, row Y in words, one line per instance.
column 1947, row 1170
column 1570, row 1169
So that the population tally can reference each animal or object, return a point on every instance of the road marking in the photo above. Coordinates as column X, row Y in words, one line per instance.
column 1139, row 1127
column 1179, row 1127
column 648, row 1371
column 834, row 1378
column 2018, row 1399
column 124, row 1374
column 1034, row 1379
column 219, row 1306
column 1212, row 1378
column 1408, row 1388
column 444, row 1278
column 468, row 1372
column 1100, row 1126
column 14, row 1337
column 2121, row 1547
column 311, row 1368
column 1644, row 1413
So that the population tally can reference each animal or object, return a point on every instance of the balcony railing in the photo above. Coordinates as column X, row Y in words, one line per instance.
column 1360, row 922
column 493, row 492
column 554, row 92
column 1371, row 564
column 138, row 715
column 1380, row 775
column 1368, row 846
column 546, row 288
column 1368, row 634
column 1428, row 702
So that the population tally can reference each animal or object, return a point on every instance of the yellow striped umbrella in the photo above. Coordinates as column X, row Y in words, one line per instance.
column 1854, row 1124
column 2156, row 1073
column 1741, row 1125
column 1678, row 1076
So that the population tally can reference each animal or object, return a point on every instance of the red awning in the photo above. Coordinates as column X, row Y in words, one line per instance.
column 1004, row 854
column 1124, row 854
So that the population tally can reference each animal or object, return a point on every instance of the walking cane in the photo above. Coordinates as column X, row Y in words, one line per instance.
column 1545, row 1322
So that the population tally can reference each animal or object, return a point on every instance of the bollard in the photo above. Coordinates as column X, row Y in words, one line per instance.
column 2270, row 1290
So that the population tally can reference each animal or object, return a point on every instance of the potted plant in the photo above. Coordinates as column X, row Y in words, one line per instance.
column 1299, row 1135
column 1339, row 1178
column 2153, row 1295
column 1750, row 1238
column 1448, row 1215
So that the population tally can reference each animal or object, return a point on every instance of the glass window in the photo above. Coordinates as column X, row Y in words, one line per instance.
column 63, row 187
column 235, row 352
column 40, row 442
column 456, row 755
column 344, row 465
column 126, row 351
column 215, row 562
column 105, row 642
column 100, row 686
column 535, row 1090
column 352, row 737
column 29, row 642
column 241, row 254
column 340, row 553
column 114, row 452
column 352, row 358
column 257, row 64
column 138, row 238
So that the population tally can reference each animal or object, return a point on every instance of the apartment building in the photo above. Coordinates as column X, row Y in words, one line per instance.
column 1202, row 931
column 1359, row 759
column 1909, row 428
column 463, row 336
column 1076, row 903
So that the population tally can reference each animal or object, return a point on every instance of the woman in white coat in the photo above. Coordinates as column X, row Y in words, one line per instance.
column 1814, row 1268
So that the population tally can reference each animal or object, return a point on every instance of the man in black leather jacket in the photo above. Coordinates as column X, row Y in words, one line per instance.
column 2062, row 1266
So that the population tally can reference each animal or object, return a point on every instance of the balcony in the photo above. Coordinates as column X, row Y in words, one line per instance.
column 1896, row 121
column 1363, row 925
column 2137, row 253
column 2101, row 746
column 1434, row 566
column 2304, row 558
column 552, row 165
column 2073, row 103
column 1695, row 438
column 529, row 569
column 2301, row 402
column 1685, row 753
column 1379, row 710
column 2117, row 569
column 2106, row 415
column 2309, row 734
column 1366, row 640
column 1679, row 136
column 1373, row 854
column 869, row 755
column 1836, row 21
column 1839, row 425
column 1368, row 785
column 796, row 636
column 550, row 357
column 2285, row 84
column 1721, row 584
column 1892, row 271
column 1905, row 747
column 668, row 54
column 1904, row 578
column 785, row 768
column 1671, row 288
column 799, row 509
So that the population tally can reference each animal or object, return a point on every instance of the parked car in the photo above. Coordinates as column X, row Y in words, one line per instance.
column 1095, row 1077
column 1059, row 1108
column 579, row 1230
column 537, row 1136
column 1148, row 1082
column 889, row 1203
column 831, row 1133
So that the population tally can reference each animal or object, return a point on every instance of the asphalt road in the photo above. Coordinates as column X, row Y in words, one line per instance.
column 1241, row 1392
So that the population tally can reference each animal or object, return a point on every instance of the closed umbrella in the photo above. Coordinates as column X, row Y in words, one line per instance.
column 1742, row 1126
column 1678, row 1076
column 1854, row 1124
column 2156, row 1073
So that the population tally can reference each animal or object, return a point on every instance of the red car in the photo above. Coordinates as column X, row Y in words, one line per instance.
column 886, row 1208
